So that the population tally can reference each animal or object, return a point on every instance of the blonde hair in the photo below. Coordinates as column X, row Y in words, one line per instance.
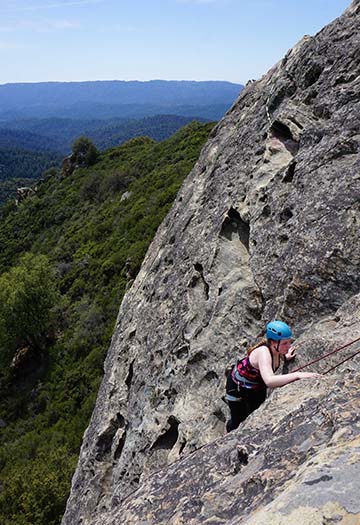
column 263, row 342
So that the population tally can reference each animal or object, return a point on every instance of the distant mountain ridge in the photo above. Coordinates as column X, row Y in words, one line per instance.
column 123, row 98
column 119, row 92
column 46, row 117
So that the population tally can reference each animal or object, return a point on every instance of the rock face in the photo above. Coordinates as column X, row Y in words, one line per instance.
column 265, row 226
column 295, row 460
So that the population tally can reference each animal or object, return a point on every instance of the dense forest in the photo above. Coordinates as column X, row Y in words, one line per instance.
column 68, row 254
column 22, row 139
column 15, row 163
column 57, row 134
column 21, row 168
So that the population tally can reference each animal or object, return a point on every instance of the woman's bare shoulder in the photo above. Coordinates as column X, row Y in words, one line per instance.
column 257, row 352
column 261, row 349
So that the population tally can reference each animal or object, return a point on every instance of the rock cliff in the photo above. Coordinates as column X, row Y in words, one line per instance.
column 266, row 225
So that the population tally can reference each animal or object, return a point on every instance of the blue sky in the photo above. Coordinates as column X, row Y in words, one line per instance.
column 235, row 40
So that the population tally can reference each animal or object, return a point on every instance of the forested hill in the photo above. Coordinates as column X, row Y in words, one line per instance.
column 67, row 255
column 35, row 145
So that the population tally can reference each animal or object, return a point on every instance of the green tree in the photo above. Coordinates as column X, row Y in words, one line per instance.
column 84, row 152
column 35, row 492
column 28, row 295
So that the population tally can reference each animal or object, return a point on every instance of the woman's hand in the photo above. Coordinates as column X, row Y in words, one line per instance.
column 291, row 353
column 305, row 375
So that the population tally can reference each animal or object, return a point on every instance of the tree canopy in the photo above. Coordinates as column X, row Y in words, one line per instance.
column 84, row 152
column 28, row 295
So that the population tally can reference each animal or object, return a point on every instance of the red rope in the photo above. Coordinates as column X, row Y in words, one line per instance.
column 327, row 355
column 341, row 362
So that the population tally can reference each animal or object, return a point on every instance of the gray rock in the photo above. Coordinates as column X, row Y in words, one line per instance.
column 23, row 193
column 126, row 195
column 265, row 226
column 296, row 467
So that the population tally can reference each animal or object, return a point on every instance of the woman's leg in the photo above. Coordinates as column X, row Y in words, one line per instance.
column 238, row 412
column 248, row 403
column 237, row 408
column 255, row 399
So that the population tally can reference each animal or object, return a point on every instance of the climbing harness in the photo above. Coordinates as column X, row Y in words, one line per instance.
column 244, row 375
column 330, row 353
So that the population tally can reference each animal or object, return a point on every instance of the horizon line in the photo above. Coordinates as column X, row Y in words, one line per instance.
column 7, row 83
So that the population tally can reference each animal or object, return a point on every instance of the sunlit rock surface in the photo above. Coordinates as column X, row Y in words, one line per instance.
column 295, row 460
column 265, row 226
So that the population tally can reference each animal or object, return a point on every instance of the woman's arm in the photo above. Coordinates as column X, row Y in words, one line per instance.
column 274, row 381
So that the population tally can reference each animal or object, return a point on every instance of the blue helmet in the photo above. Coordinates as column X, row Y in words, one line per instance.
column 277, row 330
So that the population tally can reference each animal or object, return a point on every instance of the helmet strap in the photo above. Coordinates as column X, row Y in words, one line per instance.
column 278, row 346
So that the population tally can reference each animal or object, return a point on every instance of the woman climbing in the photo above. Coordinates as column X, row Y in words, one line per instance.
column 247, row 381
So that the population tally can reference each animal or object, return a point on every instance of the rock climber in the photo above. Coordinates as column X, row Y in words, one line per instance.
column 248, row 379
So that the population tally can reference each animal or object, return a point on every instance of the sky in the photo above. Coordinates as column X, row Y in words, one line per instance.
column 77, row 40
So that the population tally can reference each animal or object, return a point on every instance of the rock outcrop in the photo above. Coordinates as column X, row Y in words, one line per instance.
column 266, row 225
column 23, row 193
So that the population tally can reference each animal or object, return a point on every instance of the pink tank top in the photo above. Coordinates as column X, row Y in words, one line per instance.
column 247, row 375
